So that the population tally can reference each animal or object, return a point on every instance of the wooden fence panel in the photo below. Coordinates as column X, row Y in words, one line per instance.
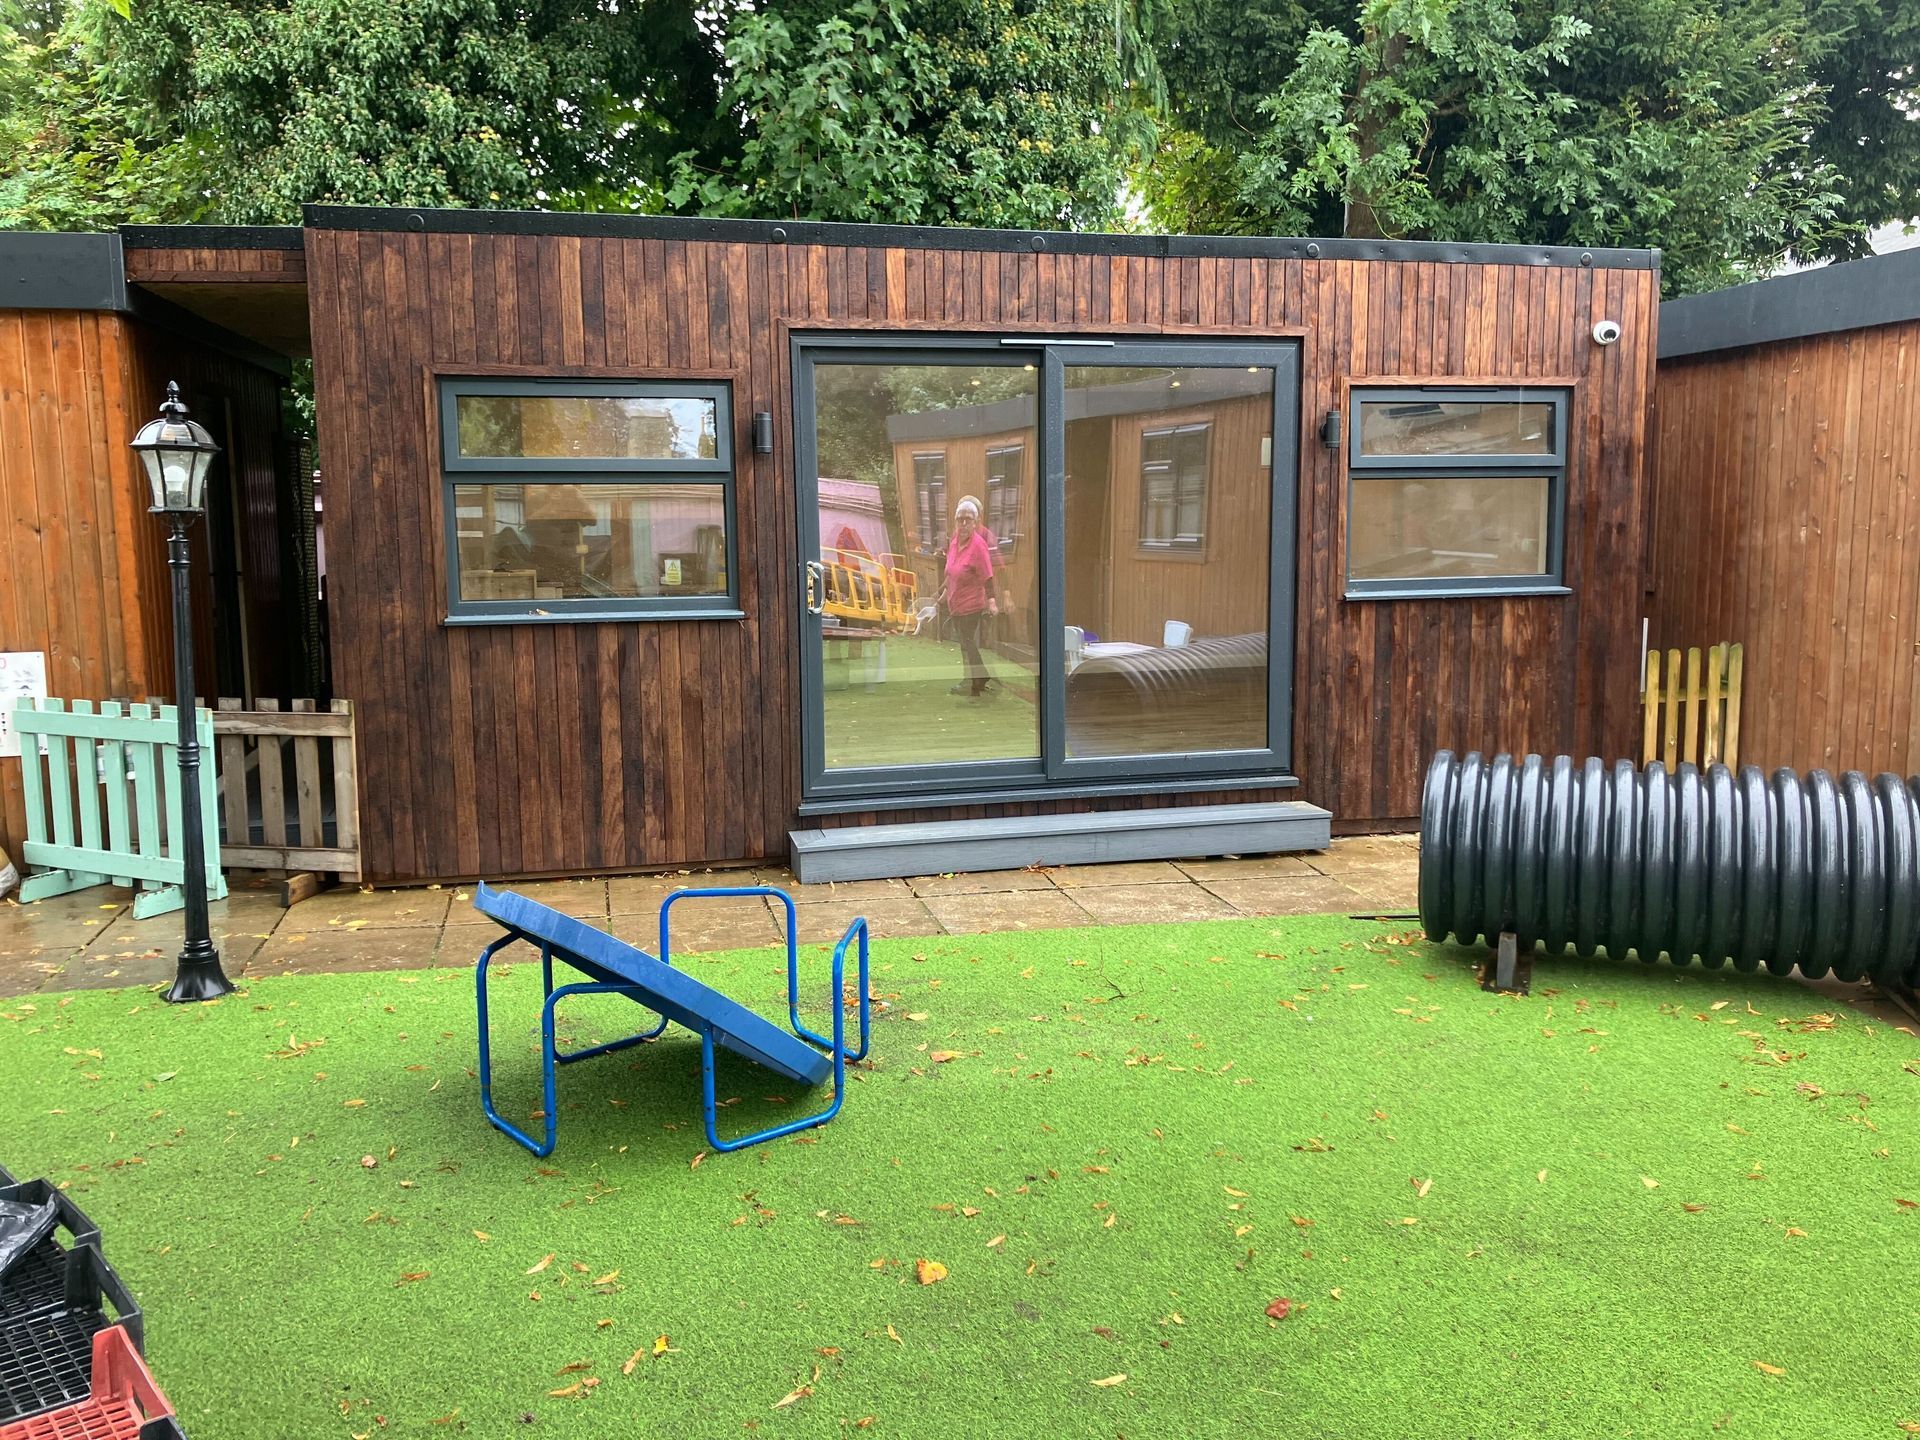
column 1698, row 722
column 320, row 829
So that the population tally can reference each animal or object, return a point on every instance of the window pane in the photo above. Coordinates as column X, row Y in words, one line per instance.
column 588, row 427
column 590, row 541
column 899, row 447
column 1456, row 427
column 1444, row 527
column 1169, row 533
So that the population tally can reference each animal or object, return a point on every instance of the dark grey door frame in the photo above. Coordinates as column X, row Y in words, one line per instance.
column 1051, row 768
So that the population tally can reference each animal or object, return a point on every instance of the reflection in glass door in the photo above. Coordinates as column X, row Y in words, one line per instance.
column 925, row 583
column 1052, row 561
column 1169, row 525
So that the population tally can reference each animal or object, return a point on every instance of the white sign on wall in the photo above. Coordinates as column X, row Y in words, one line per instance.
column 23, row 674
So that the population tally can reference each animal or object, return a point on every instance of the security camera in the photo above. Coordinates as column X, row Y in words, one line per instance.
column 1605, row 332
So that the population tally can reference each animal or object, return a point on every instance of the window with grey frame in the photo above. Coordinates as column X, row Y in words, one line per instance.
column 588, row 500
column 1173, row 487
column 1456, row 490
column 930, row 493
column 1006, row 465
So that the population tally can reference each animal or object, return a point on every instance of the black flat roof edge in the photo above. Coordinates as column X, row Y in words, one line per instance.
column 931, row 237
column 1878, row 290
column 53, row 271
column 213, row 237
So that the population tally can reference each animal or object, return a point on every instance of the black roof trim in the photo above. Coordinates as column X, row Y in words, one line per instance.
column 1879, row 290
column 213, row 237
column 930, row 237
column 40, row 271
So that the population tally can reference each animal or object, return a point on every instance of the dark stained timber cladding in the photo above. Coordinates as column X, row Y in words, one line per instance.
column 548, row 749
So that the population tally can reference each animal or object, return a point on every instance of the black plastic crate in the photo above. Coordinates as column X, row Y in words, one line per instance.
column 38, row 1280
column 46, row 1358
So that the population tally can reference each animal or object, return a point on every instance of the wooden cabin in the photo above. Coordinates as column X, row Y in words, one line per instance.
column 635, row 527
column 1786, row 491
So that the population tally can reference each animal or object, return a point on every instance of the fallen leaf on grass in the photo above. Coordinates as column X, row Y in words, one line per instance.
column 633, row 1360
column 894, row 1335
column 996, row 1241
column 1420, row 1188
column 482, row 1236
column 567, row 1392
column 1237, row 1194
column 411, row 1276
column 1766, row 1369
column 929, row 1272
column 1906, row 1204
column 1541, row 1177
column 1111, row 1380
column 660, row 1346
column 916, row 1015
column 540, row 1264
column 351, row 1104
column 575, row 1367
column 609, row 1277
column 1649, row 1182
column 941, row 1057
column 367, row 1162
column 1797, row 1232
column 1280, row 1309
column 1691, row 1208
column 695, row 1165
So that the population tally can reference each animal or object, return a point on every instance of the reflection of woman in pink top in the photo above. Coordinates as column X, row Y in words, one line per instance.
column 968, row 592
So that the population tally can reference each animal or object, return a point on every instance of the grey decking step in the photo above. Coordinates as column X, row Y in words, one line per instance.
column 879, row 852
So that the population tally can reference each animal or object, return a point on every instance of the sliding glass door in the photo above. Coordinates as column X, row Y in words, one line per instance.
column 1029, row 564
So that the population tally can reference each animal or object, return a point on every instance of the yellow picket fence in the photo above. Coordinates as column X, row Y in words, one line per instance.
column 1695, row 720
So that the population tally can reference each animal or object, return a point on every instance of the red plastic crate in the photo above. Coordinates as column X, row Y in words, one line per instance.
column 125, row 1404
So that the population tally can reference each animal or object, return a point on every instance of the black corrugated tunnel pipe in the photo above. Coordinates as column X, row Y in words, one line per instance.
column 1778, row 871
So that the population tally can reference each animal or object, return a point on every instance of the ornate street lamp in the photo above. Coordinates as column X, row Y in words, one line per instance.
column 177, row 454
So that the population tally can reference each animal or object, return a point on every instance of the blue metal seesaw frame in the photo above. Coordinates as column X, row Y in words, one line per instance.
column 617, row 968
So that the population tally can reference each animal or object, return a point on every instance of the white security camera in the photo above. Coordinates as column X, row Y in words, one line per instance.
column 1605, row 332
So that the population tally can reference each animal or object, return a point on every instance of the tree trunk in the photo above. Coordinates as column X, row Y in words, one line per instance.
column 1362, row 220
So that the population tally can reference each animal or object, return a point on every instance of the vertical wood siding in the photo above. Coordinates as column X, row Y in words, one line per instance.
column 549, row 748
column 1784, row 502
column 82, row 565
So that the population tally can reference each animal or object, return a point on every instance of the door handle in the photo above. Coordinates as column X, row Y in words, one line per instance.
column 816, row 588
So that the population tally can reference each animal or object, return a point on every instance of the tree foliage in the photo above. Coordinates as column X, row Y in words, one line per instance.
column 930, row 112
column 1693, row 125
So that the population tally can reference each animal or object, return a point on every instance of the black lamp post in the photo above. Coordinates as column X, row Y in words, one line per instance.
column 178, row 453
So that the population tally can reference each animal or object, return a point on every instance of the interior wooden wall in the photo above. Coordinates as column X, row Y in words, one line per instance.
column 532, row 748
column 82, row 565
column 1785, row 503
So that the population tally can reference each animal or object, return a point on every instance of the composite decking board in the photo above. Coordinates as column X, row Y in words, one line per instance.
column 702, row 740
column 880, row 852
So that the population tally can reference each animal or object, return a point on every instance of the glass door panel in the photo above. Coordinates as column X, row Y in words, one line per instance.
column 925, row 512
column 1168, row 550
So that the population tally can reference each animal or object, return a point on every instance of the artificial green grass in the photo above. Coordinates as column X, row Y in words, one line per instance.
column 1171, row 1126
column 912, row 719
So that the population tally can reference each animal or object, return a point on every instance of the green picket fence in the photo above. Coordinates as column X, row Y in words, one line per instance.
column 103, row 801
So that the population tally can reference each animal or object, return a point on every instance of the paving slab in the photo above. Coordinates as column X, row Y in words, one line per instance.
column 582, row 899
column 983, row 882
column 888, row 917
column 1134, row 872
column 1349, row 851
column 703, row 926
column 374, row 909
column 1015, row 910
column 1151, row 904
column 333, row 951
column 24, row 974
column 845, row 890
column 1299, row 895
column 1249, row 867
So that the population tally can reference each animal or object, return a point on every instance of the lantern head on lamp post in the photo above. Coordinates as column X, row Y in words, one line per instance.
column 177, row 454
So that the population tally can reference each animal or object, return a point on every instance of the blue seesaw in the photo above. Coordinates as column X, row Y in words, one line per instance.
column 617, row 968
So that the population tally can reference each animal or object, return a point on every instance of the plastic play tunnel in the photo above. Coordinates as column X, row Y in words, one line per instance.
column 1710, row 865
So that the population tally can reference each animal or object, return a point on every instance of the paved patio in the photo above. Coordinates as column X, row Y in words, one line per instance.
column 91, row 940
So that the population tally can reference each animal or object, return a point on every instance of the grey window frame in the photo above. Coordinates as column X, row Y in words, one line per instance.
column 1004, row 540
column 1552, row 464
column 933, row 508
column 1051, row 773
column 1178, row 544
column 716, row 471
